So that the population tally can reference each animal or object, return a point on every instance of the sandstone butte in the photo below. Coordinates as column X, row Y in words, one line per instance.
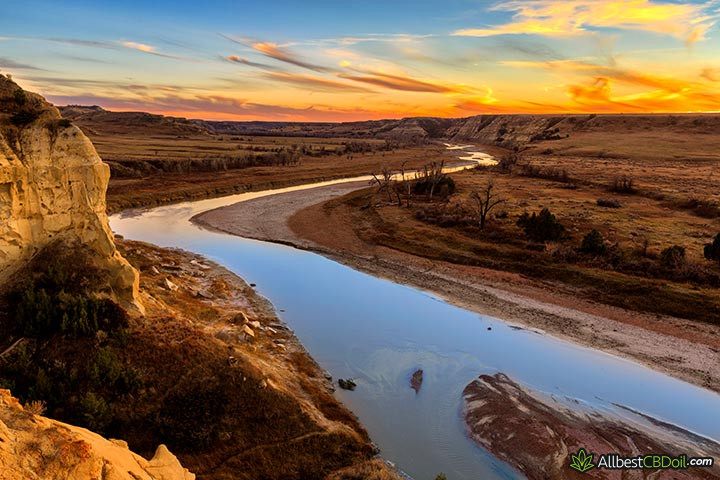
column 52, row 187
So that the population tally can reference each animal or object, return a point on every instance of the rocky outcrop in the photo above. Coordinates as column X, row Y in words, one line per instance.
column 537, row 433
column 34, row 448
column 52, row 187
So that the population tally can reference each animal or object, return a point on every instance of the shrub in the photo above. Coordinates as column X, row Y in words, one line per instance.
column 541, row 227
column 701, row 208
column 602, row 202
column 508, row 161
column 95, row 412
column 35, row 407
column 712, row 250
column 20, row 97
column 673, row 257
column 556, row 174
column 444, row 187
column 622, row 184
column 59, row 297
column 23, row 117
column 41, row 314
column 593, row 243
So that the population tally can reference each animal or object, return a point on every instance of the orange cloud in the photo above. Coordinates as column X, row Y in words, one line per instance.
column 141, row 47
column 272, row 50
column 599, row 96
column 712, row 74
column 314, row 83
column 689, row 22
column 245, row 61
column 403, row 83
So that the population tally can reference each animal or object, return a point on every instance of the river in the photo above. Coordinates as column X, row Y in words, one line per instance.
column 378, row 332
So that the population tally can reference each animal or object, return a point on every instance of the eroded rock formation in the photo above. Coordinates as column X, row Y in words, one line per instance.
column 52, row 187
column 537, row 433
column 35, row 447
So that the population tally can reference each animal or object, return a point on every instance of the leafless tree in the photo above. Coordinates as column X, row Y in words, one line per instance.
column 384, row 182
column 484, row 201
column 406, row 183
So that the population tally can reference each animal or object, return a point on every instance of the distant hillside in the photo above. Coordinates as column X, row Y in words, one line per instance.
column 501, row 130
column 95, row 120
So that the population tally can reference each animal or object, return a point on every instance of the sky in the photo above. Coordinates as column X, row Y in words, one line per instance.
column 360, row 60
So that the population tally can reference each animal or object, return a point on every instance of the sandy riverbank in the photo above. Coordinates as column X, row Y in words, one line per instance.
column 685, row 349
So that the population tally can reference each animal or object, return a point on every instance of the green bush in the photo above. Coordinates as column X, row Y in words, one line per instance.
column 59, row 297
column 41, row 314
column 712, row 250
column 593, row 243
column 95, row 412
column 541, row 227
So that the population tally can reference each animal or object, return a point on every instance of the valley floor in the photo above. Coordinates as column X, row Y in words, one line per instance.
column 310, row 219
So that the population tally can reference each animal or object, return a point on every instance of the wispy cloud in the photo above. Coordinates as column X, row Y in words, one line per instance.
column 244, row 61
column 10, row 64
column 314, row 83
column 403, row 83
column 141, row 47
column 80, row 42
column 272, row 50
column 687, row 21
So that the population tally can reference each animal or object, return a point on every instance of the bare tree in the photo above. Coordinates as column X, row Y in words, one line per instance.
column 484, row 201
column 384, row 182
column 406, row 182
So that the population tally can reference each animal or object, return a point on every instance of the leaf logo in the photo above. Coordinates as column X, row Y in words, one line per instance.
column 581, row 461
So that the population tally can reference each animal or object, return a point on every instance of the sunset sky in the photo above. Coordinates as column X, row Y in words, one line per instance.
column 356, row 60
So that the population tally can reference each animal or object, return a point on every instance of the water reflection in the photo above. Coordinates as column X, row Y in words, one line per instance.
column 379, row 332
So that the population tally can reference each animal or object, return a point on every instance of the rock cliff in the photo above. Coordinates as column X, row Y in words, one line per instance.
column 34, row 447
column 52, row 187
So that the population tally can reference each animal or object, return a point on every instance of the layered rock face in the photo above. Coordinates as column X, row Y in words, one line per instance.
column 34, row 447
column 52, row 187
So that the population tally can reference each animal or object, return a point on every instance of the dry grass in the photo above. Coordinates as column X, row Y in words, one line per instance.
column 157, row 187
column 646, row 222
column 227, row 408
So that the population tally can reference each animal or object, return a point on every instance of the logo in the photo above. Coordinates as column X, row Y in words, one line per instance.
column 581, row 461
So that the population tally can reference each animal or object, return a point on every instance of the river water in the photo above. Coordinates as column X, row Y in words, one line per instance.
column 378, row 332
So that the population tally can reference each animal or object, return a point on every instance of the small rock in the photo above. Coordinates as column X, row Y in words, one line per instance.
column 154, row 270
column 248, row 331
column 169, row 285
column 348, row 384
column 416, row 380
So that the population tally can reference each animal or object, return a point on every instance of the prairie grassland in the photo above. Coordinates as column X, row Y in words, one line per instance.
column 155, row 170
column 672, row 201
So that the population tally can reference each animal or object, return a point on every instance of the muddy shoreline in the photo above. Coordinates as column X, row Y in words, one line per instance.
column 682, row 348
